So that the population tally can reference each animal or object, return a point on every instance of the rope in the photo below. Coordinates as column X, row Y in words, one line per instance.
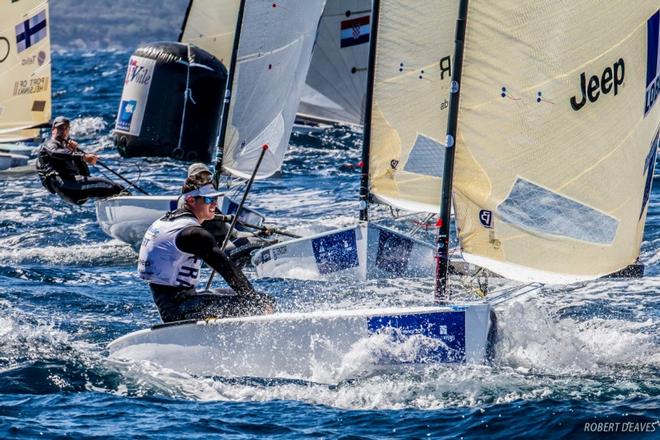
column 186, row 96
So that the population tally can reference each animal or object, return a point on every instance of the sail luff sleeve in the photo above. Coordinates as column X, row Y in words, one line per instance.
column 366, row 144
column 442, row 241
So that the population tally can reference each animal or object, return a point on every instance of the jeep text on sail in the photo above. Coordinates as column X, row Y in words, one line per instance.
column 610, row 79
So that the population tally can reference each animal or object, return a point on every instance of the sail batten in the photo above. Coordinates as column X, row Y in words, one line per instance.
column 25, row 99
column 554, row 134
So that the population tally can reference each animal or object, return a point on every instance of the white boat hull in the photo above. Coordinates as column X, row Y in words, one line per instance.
column 14, row 160
column 127, row 218
column 364, row 251
column 319, row 346
column 23, row 150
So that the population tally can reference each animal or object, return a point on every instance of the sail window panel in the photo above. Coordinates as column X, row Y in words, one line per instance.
column 538, row 209
column 427, row 157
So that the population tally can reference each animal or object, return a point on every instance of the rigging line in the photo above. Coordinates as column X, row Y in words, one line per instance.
column 186, row 95
column 424, row 222
column 514, row 292
column 238, row 210
column 392, row 215
column 256, row 56
column 139, row 167
column 101, row 164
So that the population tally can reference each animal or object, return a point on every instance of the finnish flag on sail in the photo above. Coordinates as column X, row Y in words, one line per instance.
column 355, row 31
column 31, row 31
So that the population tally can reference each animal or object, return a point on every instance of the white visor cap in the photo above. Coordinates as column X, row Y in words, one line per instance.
column 204, row 191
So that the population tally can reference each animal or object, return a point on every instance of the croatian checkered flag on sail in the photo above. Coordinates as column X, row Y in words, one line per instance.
column 31, row 31
column 355, row 31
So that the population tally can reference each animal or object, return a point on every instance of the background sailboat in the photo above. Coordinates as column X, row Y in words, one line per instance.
column 405, row 125
column 25, row 96
column 336, row 83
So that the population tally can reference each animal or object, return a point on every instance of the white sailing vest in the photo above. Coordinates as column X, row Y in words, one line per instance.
column 161, row 262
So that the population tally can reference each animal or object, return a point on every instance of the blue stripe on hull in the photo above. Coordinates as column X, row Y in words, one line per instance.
column 448, row 328
column 336, row 252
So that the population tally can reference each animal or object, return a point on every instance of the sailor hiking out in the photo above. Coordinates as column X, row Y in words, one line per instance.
column 171, row 257
column 63, row 169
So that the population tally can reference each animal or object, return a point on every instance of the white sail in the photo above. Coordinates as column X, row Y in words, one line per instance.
column 410, row 102
column 274, row 52
column 25, row 98
column 337, row 79
column 211, row 25
column 557, row 136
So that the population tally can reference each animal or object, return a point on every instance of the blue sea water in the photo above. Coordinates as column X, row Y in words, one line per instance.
column 564, row 358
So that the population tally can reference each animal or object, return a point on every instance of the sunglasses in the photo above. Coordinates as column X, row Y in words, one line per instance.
column 208, row 200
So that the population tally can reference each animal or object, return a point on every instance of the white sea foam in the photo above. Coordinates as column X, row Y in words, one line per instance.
column 95, row 254
column 86, row 127
column 26, row 337
column 532, row 340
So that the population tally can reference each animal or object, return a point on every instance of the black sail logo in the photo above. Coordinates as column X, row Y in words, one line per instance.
column 4, row 49
column 591, row 89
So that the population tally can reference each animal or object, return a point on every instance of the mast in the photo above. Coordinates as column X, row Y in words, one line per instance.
column 185, row 21
column 442, row 293
column 366, row 142
column 230, row 80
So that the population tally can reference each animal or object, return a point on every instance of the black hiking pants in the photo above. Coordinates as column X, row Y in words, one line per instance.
column 180, row 303
column 79, row 189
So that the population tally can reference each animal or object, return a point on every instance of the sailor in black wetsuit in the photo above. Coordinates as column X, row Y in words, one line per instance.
column 171, row 256
column 63, row 170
